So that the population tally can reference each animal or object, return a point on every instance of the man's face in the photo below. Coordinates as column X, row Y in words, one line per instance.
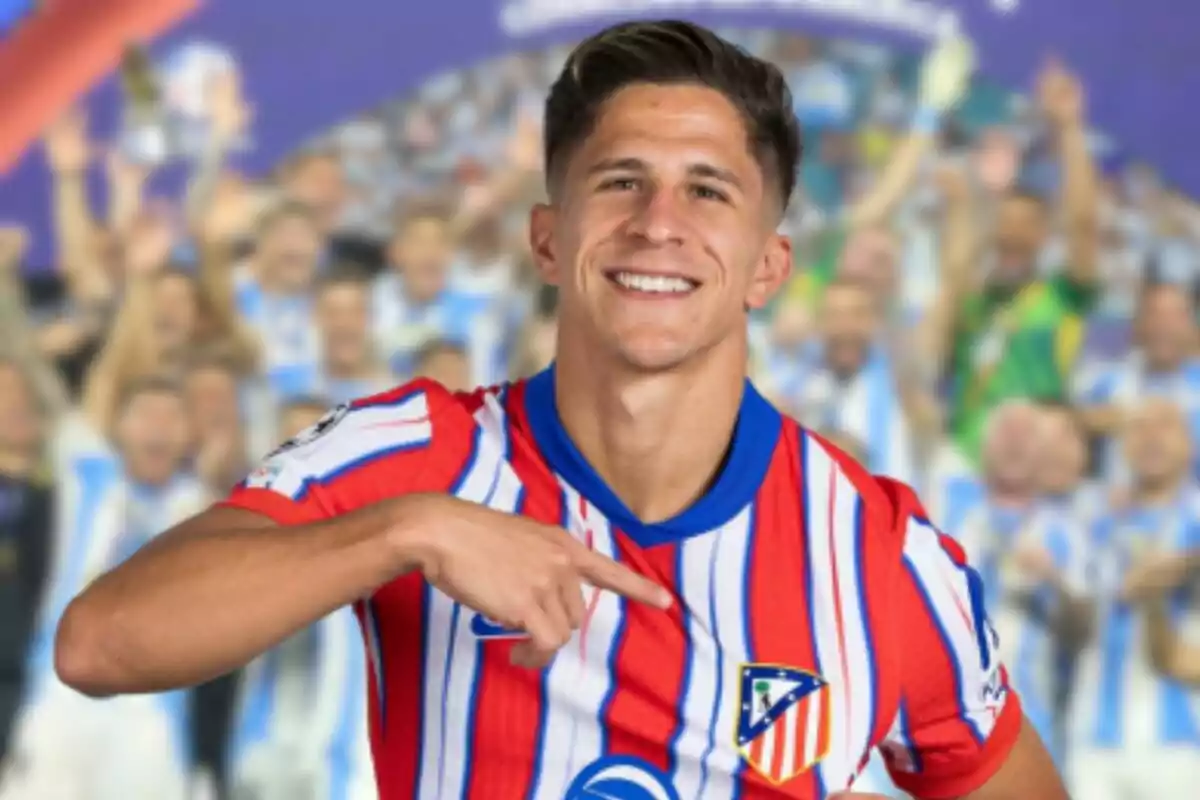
column 154, row 435
column 1166, row 326
column 288, row 253
column 1020, row 234
column 175, row 312
column 662, row 229
column 211, row 395
column 343, row 316
column 869, row 257
column 1064, row 453
column 421, row 250
column 20, row 426
column 449, row 368
column 1157, row 441
column 848, row 325
column 318, row 182
column 1013, row 447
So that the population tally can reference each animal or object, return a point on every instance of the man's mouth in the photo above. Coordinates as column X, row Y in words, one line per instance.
column 656, row 284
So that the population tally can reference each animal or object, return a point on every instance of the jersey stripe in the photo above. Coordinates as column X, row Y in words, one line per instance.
column 781, row 638
column 828, row 619
column 727, row 615
column 701, row 693
column 641, row 716
column 508, row 708
column 575, row 696
column 490, row 482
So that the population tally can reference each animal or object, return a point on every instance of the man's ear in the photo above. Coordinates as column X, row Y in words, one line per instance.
column 541, row 242
column 772, row 271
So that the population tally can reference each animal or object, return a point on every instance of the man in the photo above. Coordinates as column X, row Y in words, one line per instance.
column 136, row 746
column 26, row 537
column 1163, row 365
column 851, row 386
column 1015, row 333
column 275, row 295
column 1137, row 734
column 445, row 363
column 349, row 365
column 412, row 302
column 737, row 608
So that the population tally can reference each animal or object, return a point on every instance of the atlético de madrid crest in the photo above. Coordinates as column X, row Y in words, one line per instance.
column 783, row 720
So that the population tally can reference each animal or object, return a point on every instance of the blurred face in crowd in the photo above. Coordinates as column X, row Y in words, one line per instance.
column 153, row 435
column 421, row 251
column 20, row 424
column 1020, row 235
column 849, row 323
column 211, row 395
column 448, row 366
column 1064, row 455
column 288, row 250
column 662, row 230
column 296, row 419
column 343, row 317
column 1157, row 443
column 175, row 311
column 1166, row 326
column 1013, row 447
column 317, row 181
column 869, row 258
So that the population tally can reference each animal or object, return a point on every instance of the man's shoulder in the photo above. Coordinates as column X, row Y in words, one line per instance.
column 885, row 502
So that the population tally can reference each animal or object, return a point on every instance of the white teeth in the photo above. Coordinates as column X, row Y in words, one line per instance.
column 658, row 284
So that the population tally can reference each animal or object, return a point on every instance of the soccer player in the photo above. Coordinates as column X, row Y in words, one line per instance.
column 628, row 576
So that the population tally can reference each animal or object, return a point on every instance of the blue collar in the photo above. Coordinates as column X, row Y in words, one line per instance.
column 754, row 440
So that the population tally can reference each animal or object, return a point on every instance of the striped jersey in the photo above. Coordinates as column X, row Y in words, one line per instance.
column 818, row 617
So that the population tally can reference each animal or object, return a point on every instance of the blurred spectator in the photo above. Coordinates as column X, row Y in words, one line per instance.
column 1164, row 364
column 26, row 536
column 445, row 363
column 1136, row 732
column 850, row 387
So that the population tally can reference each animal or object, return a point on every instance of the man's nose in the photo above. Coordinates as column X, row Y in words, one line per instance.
column 659, row 218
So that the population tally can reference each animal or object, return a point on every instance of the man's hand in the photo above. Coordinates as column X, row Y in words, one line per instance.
column 1060, row 95
column 1155, row 574
column 518, row 572
column 67, row 147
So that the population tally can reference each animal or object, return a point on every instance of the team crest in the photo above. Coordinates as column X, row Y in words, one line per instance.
column 783, row 720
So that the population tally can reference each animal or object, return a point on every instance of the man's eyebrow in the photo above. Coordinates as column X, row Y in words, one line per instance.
column 699, row 170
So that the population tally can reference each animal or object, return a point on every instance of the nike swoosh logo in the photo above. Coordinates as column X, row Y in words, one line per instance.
column 485, row 628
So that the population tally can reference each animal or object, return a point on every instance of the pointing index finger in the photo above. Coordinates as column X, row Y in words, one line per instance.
column 606, row 573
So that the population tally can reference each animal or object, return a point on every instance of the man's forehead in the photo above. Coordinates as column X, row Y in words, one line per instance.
column 659, row 124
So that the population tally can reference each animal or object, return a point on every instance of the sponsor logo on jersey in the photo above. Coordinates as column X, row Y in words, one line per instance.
column 621, row 778
column 783, row 720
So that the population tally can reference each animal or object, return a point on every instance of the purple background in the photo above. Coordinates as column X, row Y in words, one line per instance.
column 311, row 63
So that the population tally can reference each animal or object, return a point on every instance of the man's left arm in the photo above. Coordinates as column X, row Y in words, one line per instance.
column 1062, row 101
column 961, row 734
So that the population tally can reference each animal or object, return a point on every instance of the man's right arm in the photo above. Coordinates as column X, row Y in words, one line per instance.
column 314, row 528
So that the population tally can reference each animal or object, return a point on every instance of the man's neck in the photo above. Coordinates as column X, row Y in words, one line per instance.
column 1156, row 493
column 658, row 440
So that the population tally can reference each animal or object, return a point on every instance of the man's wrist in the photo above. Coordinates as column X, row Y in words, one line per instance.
column 407, row 533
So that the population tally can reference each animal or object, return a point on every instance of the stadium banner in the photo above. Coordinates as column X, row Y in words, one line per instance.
column 308, row 64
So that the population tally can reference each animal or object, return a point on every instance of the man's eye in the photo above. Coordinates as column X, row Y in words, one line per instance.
column 709, row 193
column 619, row 184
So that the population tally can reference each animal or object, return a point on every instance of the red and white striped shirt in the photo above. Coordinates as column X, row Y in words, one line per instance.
column 818, row 616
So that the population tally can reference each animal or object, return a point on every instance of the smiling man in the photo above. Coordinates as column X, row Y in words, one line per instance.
column 628, row 576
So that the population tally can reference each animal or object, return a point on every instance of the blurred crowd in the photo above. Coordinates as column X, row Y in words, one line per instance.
column 986, row 304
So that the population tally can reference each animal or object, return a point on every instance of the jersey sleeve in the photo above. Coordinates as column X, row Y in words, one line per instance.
column 411, row 439
column 958, row 718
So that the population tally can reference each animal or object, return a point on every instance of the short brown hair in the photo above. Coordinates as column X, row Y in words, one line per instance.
column 674, row 52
